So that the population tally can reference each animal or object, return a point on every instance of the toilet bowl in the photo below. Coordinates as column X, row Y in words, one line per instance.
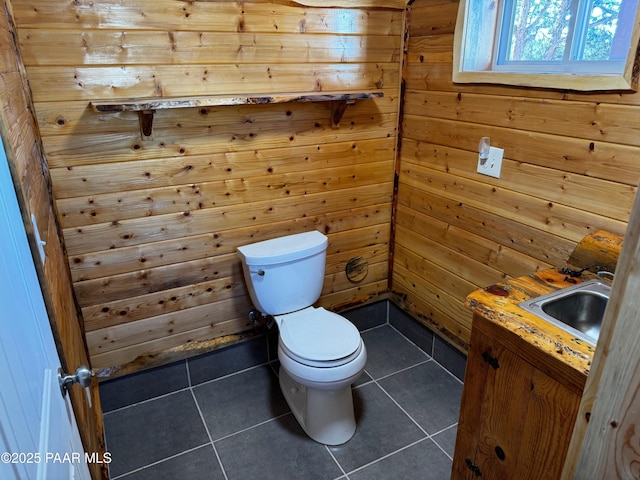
column 316, row 373
column 321, row 353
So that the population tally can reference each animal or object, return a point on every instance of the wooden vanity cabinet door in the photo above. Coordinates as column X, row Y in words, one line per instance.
column 515, row 421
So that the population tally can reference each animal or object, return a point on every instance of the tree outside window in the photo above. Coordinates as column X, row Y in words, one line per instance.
column 555, row 38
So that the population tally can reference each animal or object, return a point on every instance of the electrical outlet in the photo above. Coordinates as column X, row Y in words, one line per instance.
column 493, row 164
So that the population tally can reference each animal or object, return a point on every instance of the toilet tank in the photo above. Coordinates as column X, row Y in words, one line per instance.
column 285, row 274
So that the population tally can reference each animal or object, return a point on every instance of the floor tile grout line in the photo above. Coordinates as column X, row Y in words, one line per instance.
column 147, row 400
column 375, row 381
column 449, row 372
column 438, row 433
column 442, row 430
column 335, row 460
column 403, row 410
column 431, row 358
column 433, row 343
column 433, row 349
column 430, row 436
column 206, row 428
column 188, row 373
column 375, row 327
column 170, row 457
column 433, row 440
column 388, row 455
column 253, row 367
column 252, row 427
column 404, row 369
column 388, row 309
column 412, row 342
column 438, row 444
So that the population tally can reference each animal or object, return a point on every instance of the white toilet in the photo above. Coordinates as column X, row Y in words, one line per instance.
column 321, row 353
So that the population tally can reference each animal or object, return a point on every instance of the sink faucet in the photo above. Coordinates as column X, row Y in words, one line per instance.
column 604, row 273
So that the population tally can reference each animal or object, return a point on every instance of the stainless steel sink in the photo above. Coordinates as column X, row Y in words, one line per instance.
column 578, row 309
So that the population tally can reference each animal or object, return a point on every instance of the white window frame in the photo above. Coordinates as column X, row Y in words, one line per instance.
column 486, row 70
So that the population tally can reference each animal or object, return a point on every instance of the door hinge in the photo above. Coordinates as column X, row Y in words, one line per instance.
column 471, row 466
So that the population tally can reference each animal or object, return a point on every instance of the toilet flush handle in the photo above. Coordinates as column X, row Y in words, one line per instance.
column 260, row 272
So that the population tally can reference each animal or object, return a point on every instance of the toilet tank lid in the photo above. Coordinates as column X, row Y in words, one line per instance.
column 283, row 249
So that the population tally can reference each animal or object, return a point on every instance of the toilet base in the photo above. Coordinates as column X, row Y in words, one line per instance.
column 325, row 415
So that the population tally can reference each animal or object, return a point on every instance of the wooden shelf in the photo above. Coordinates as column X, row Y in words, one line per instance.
column 147, row 106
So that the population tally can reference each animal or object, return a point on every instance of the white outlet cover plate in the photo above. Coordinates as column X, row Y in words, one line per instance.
column 493, row 164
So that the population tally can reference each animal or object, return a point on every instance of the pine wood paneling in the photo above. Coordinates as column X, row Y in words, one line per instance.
column 481, row 250
column 577, row 119
column 199, row 289
column 88, row 83
column 549, row 183
column 152, row 224
column 188, row 342
column 127, row 259
column 136, row 231
column 571, row 166
column 557, row 218
column 536, row 212
column 182, row 198
column 95, row 179
column 215, row 16
column 252, row 132
column 132, row 333
column 488, row 225
column 66, row 47
column 433, row 17
column 605, row 160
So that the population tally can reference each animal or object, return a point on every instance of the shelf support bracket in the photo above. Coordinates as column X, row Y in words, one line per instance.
column 146, row 122
column 337, row 111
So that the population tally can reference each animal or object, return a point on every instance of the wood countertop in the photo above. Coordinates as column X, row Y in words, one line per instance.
column 549, row 348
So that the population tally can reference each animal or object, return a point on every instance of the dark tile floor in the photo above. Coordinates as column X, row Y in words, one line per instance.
column 222, row 416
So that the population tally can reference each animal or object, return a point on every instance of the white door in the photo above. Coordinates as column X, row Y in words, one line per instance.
column 39, row 437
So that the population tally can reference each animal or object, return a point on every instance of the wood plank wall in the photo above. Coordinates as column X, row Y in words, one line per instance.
column 21, row 142
column 571, row 166
column 151, row 225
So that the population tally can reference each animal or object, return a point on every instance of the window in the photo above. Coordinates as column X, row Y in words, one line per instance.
column 572, row 44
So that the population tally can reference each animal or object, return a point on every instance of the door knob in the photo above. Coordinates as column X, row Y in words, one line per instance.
column 82, row 377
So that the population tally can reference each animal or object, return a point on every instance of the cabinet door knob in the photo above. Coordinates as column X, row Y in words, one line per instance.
column 493, row 361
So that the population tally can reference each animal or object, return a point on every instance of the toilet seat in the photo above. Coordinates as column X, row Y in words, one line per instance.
column 318, row 338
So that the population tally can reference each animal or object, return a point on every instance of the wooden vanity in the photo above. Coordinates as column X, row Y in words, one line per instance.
column 525, row 377
column 523, row 385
